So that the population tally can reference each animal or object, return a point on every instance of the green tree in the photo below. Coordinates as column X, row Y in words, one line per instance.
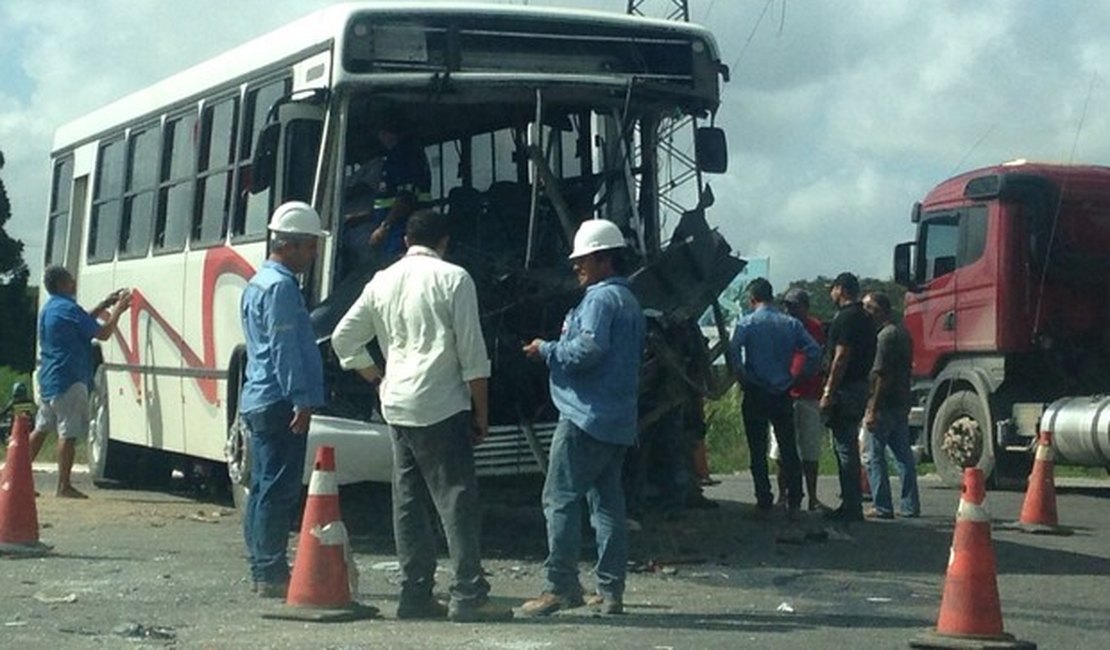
column 820, row 304
column 17, row 326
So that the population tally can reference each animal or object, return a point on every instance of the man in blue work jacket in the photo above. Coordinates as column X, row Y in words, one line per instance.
column 284, row 382
column 405, row 183
column 762, row 350
column 595, row 369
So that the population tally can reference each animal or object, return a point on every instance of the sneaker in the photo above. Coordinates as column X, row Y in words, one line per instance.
column 910, row 515
column 548, row 603
column 485, row 612
column 875, row 513
column 843, row 514
column 422, row 610
column 272, row 589
column 606, row 606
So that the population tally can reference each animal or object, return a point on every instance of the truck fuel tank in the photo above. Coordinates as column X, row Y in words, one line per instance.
column 1080, row 428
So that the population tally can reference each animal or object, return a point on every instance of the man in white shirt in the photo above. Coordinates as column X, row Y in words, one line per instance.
column 424, row 313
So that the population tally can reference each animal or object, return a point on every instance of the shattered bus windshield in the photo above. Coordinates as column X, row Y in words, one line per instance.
column 514, row 188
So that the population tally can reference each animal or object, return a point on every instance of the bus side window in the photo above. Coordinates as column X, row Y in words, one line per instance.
column 139, row 189
column 217, row 157
column 175, row 195
column 57, row 228
column 104, row 224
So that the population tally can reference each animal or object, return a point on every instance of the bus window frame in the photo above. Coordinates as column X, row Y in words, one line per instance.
column 59, row 209
column 167, row 182
column 245, row 153
column 129, row 193
column 228, row 167
column 102, row 196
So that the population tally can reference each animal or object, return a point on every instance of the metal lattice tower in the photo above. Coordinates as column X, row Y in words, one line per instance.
column 678, row 167
column 674, row 9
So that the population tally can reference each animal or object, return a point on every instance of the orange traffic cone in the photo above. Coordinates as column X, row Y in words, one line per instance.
column 324, row 573
column 970, row 611
column 19, row 520
column 1038, row 512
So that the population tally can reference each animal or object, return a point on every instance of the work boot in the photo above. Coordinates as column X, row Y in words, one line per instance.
column 272, row 589
column 481, row 612
column 548, row 603
column 421, row 610
column 606, row 606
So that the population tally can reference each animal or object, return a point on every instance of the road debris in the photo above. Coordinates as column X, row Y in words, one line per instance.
column 55, row 600
column 139, row 631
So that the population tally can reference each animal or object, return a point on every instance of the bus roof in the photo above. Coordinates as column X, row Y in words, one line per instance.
column 306, row 35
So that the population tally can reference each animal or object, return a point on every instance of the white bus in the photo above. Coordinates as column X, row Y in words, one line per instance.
column 531, row 120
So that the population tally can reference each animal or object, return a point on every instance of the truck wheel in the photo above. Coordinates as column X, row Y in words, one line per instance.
column 961, row 437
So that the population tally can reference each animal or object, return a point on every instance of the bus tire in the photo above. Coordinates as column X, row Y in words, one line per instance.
column 961, row 427
column 106, row 457
column 238, row 458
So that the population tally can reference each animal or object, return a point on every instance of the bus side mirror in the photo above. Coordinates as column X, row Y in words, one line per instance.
column 903, row 270
column 711, row 150
column 265, row 158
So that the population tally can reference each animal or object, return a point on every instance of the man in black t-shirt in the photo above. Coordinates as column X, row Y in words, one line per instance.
column 849, row 352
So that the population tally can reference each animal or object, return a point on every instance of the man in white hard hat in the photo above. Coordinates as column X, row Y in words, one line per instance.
column 284, row 382
column 595, row 369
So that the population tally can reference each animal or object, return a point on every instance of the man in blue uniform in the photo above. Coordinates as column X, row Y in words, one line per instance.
column 595, row 370
column 284, row 382
column 404, row 184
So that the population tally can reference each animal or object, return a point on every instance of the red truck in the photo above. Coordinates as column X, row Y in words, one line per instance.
column 1008, row 303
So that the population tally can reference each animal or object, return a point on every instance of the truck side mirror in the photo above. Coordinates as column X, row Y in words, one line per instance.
column 903, row 269
column 264, row 162
column 711, row 150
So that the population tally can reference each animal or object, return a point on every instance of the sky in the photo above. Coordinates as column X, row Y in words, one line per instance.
column 839, row 113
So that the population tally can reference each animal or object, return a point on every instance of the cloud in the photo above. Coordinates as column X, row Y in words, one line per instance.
column 840, row 114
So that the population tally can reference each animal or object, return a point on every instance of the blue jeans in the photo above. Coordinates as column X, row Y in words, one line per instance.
column 892, row 429
column 582, row 467
column 844, row 421
column 759, row 410
column 277, row 469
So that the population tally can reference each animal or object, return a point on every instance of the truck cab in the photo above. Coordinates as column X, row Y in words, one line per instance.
column 1007, row 303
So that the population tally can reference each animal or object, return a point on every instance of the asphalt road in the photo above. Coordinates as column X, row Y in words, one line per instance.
column 159, row 569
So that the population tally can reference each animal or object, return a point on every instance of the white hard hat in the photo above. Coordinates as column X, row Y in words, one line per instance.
column 596, row 235
column 296, row 218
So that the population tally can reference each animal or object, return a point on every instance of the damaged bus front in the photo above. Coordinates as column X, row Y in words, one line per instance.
column 518, row 124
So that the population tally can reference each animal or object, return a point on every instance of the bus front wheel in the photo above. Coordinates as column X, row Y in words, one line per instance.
column 237, row 455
